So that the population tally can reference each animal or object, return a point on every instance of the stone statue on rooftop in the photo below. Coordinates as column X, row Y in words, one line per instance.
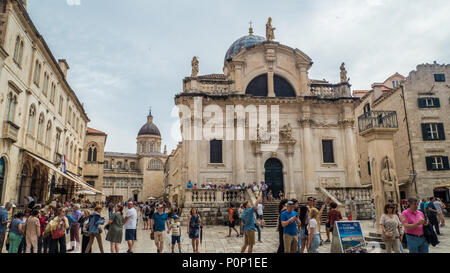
column 270, row 30
column 343, row 73
column 194, row 64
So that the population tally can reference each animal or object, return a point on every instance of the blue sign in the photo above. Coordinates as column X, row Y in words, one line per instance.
column 350, row 236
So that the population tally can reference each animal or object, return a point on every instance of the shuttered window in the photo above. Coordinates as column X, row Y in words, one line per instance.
column 327, row 149
column 215, row 151
column 428, row 102
column 439, row 77
column 433, row 131
column 437, row 163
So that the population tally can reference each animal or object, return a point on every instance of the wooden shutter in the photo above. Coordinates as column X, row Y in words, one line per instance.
column 429, row 161
column 421, row 103
column 425, row 127
column 445, row 161
column 441, row 131
column 436, row 102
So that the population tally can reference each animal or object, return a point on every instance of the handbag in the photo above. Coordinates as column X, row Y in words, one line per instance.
column 429, row 233
column 57, row 233
column 107, row 227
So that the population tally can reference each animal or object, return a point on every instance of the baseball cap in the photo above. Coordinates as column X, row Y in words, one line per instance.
column 175, row 217
column 290, row 203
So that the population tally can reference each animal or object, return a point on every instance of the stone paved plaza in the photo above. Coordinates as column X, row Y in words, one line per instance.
column 215, row 241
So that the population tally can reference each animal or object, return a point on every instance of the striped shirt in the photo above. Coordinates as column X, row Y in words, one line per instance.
column 175, row 227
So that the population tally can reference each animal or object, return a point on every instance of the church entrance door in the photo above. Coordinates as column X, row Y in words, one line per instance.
column 274, row 176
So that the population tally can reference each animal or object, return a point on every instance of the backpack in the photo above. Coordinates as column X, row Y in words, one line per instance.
column 235, row 215
column 147, row 210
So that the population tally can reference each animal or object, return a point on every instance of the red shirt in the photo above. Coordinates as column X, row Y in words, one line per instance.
column 42, row 222
column 333, row 216
column 231, row 212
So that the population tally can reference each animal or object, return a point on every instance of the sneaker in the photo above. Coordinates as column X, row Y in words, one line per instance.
column 327, row 241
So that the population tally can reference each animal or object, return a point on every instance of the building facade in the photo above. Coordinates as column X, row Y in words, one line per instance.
column 42, row 120
column 311, row 144
column 421, row 145
column 124, row 176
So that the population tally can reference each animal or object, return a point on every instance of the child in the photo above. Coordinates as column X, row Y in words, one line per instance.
column 176, row 233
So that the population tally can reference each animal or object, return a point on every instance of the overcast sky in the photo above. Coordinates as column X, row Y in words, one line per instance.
column 127, row 56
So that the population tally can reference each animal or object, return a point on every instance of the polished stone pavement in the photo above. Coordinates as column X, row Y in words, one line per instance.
column 215, row 241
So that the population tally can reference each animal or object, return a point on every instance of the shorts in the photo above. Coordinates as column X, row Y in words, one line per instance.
column 327, row 225
column 232, row 224
column 145, row 218
column 259, row 216
column 159, row 236
column 249, row 237
column 130, row 235
column 290, row 243
column 176, row 239
column 265, row 193
column 303, row 234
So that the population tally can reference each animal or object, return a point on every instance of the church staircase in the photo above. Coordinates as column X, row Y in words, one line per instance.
column 271, row 213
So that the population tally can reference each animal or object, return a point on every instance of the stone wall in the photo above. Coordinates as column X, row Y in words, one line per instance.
column 363, row 197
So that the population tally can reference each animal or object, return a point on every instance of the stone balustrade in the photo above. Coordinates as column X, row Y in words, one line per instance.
column 202, row 196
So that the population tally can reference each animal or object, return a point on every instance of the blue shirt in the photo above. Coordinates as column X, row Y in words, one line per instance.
column 189, row 185
column 160, row 221
column 3, row 218
column 15, row 226
column 249, row 219
column 291, row 228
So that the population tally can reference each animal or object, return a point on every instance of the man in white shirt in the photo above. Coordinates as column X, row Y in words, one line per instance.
column 129, row 224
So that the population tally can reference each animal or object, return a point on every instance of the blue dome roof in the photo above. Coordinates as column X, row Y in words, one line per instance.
column 242, row 42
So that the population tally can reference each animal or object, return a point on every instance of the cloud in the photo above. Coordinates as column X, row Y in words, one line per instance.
column 126, row 56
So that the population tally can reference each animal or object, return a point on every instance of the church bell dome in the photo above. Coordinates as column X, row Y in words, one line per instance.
column 245, row 41
column 149, row 128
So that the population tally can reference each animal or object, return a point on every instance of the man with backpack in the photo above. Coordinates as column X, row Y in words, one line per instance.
column 146, row 215
column 233, row 216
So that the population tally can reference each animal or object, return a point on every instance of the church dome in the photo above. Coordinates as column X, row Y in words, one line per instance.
column 149, row 128
column 245, row 41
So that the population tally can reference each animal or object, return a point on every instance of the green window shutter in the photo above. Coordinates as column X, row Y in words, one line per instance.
column 425, row 131
column 429, row 161
column 421, row 103
column 445, row 161
column 436, row 102
column 441, row 131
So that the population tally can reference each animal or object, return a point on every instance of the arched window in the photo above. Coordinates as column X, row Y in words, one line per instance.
column 45, row 85
column 143, row 147
column 71, row 152
column 11, row 107
column 31, row 120
column 155, row 164
column 37, row 72
column 40, row 127
column 48, row 134
column 106, row 165
column 151, row 147
column 258, row 86
column 119, row 165
column 92, row 153
column 282, row 87
column 66, row 148
column 52, row 94
column 60, row 106
column 132, row 165
column 58, row 137
column 16, row 50
column 69, row 115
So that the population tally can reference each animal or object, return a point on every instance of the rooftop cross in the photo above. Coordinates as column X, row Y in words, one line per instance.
column 250, row 30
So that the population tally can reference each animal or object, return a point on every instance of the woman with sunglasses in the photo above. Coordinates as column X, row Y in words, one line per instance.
column 391, row 229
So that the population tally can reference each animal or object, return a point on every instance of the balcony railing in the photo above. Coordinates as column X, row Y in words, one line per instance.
column 10, row 130
column 377, row 119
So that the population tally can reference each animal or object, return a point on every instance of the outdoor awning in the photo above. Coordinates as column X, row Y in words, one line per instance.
column 67, row 176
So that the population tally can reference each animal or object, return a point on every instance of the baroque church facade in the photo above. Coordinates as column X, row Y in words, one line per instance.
column 124, row 176
column 316, row 128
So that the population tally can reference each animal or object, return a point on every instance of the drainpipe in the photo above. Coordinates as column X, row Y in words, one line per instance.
column 409, row 139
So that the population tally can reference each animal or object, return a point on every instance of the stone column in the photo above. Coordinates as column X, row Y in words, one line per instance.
column 380, row 144
column 308, row 167
column 290, row 154
column 351, row 157
column 239, row 157
column 258, row 165
column 270, row 87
